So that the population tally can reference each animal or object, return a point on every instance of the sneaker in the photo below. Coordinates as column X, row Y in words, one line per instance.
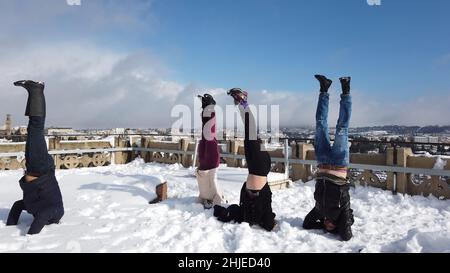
column 239, row 96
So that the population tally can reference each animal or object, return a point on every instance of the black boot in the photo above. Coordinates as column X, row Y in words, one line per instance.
column 36, row 98
column 345, row 82
column 324, row 83
column 207, row 100
column 232, row 213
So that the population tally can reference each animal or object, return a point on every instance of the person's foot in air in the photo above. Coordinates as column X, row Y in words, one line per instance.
column 239, row 96
column 325, row 83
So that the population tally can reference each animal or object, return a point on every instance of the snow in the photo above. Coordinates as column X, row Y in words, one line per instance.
column 427, row 154
column 440, row 163
column 6, row 142
column 107, row 210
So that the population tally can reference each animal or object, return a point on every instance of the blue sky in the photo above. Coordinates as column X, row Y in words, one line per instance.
column 393, row 49
column 397, row 52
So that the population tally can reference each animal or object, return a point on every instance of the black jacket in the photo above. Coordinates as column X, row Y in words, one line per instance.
column 42, row 198
column 255, row 209
column 332, row 202
column 331, row 199
column 41, row 194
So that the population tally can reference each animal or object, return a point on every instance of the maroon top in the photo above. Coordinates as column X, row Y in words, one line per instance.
column 208, row 148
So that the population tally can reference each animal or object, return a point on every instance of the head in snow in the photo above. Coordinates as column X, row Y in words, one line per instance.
column 329, row 224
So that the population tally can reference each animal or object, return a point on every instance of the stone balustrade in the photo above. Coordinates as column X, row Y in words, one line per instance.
column 182, row 152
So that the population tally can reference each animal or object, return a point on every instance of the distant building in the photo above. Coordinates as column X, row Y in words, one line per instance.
column 22, row 130
column 422, row 139
column 118, row 131
column 60, row 131
column 163, row 131
column 6, row 130
column 427, row 139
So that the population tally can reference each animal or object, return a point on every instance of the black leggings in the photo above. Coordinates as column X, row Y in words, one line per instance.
column 38, row 161
column 258, row 161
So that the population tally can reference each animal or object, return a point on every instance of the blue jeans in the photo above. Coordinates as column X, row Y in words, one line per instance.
column 38, row 161
column 338, row 154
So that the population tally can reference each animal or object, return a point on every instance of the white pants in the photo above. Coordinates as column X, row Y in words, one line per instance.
column 207, row 186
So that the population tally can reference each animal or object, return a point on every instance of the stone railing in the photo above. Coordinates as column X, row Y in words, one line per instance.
column 397, row 170
column 379, row 170
column 69, row 154
column 12, row 162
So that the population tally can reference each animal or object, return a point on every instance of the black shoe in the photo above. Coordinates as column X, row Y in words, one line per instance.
column 232, row 213
column 325, row 83
column 345, row 82
column 36, row 99
column 221, row 213
column 207, row 100
column 29, row 84
column 235, row 213
column 239, row 96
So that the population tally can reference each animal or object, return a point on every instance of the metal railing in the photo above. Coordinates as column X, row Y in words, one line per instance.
column 198, row 135
column 286, row 159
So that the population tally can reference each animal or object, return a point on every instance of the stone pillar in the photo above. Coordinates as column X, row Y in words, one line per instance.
column 233, row 148
column 402, row 178
column 230, row 162
column 185, row 158
column 119, row 157
column 143, row 145
column 54, row 145
column 148, row 144
column 390, row 175
column 131, row 155
column 300, row 171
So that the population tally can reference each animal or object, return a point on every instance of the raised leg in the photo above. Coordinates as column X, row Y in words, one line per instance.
column 340, row 151
column 38, row 161
column 209, row 157
column 322, row 144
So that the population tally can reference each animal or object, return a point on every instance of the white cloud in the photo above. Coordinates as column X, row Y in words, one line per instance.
column 44, row 18
column 88, row 86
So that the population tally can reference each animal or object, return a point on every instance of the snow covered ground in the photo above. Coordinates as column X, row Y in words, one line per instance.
column 107, row 210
